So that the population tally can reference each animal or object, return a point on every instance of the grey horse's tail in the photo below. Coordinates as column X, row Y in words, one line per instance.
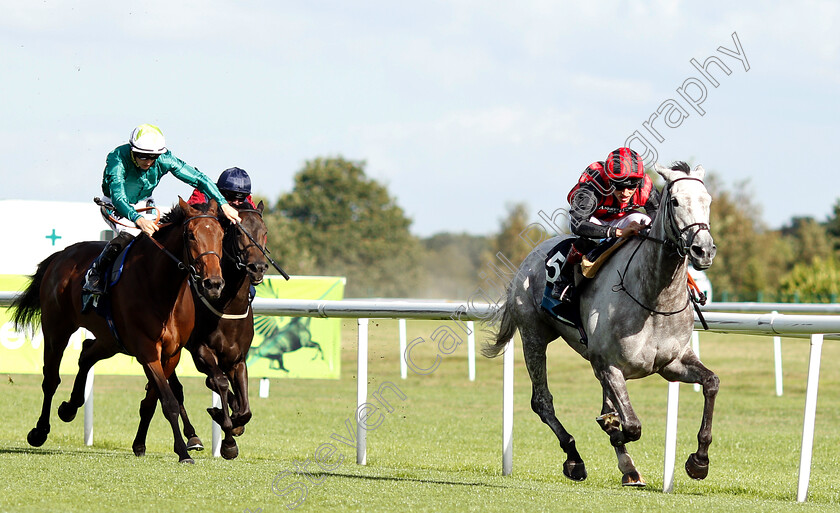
column 506, row 328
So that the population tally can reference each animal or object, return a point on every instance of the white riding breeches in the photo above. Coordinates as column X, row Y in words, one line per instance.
column 118, row 228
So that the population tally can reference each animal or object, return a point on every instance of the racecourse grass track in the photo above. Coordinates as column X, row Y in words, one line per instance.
column 441, row 448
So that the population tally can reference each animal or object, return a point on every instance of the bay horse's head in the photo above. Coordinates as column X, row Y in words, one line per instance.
column 245, row 243
column 685, row 207
column 203, row 237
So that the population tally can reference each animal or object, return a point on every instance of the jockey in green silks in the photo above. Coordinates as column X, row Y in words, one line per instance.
column 132, row 171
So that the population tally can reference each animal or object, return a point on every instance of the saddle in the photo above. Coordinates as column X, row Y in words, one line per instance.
column 102, row 304
column 569, row 313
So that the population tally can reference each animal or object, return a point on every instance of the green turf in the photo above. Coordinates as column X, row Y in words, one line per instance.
column 440, row 449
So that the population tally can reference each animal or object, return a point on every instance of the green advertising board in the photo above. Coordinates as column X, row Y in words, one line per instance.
column 283, row 347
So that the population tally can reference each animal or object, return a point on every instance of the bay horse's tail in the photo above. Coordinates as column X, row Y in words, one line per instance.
column 506, row 327
column 27, row 306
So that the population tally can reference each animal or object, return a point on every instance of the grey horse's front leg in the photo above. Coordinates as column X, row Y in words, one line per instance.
column 619, row 421
column 690, row 370
column 611, row 424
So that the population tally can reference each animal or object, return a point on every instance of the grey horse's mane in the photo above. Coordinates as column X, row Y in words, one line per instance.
column 679, row 165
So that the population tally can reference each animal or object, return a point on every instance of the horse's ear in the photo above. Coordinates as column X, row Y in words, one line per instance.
column 663, row 171
column 260, row 207
column 698, row 172
column 185, row 207
column 212, row 207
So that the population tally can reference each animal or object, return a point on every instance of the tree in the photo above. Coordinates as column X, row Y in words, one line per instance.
column 508, row 241
column 817, row 281
column 750, row 259
column 809, row 240
column 452, row 263
column 346, row 224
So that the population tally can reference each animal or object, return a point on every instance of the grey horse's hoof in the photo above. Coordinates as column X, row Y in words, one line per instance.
column 574, row 470
column 696, row 468
column 37, row 437
column 67, row 412
column 187, row 460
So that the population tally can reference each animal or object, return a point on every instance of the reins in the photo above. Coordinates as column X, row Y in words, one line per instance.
column 671, row 239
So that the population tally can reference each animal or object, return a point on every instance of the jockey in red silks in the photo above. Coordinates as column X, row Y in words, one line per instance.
column 235, row 186
column 604, row 204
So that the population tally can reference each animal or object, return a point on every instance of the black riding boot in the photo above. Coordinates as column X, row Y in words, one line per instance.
column 95, row 278
column 564, row 286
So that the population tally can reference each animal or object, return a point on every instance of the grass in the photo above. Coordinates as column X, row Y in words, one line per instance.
column 440, row 449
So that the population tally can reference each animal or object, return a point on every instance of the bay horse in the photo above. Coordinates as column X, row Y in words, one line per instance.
column 636, row 314
column 222, row 336
column 152, row 307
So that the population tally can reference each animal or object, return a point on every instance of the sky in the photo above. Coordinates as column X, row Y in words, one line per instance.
column 461, row 108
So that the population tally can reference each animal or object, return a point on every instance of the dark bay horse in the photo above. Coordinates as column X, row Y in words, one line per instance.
column 223, row 333
column 638, row 319
column 152, row 305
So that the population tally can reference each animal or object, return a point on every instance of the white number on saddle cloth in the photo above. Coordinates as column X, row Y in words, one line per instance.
column 553, row 266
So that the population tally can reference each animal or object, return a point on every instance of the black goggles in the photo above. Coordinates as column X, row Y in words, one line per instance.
column 627, row 184
column 234, row 196
column 146, row 156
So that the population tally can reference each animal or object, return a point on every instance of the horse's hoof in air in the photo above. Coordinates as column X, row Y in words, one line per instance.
column 139, row 450
column 187, row 460
column 230, row 451
column 66, row 412
column 194, row 444
column 37, row 437
column 576, row 471
column 238, row 431
column 696, row 468
column 633, row 479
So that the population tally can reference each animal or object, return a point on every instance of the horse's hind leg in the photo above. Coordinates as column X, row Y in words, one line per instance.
column 54, row 346
column 92, row 351
column 147, row 412
column 691, row 370
column 193, row 441
column 542, row 403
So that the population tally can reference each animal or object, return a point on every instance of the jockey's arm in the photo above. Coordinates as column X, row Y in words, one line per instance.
column 582, row 206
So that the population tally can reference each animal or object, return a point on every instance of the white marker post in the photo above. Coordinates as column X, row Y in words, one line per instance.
column 810, row 418
column 89, row 408
column 361, row 391
column 216, row 430
column 471, row 349
column 403, row 363
column 671, row 436
column 507, row 411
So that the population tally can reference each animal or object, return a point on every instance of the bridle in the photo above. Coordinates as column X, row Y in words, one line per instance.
column 190, row 268
column 237, row 252
column 674, row 235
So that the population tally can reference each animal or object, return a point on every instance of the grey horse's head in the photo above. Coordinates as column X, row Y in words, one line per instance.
column 686, row 204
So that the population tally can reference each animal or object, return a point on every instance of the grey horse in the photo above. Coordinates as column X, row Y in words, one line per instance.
column 636, row 315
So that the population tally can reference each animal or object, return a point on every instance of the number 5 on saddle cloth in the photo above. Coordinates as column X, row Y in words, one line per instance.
column 569, row 312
